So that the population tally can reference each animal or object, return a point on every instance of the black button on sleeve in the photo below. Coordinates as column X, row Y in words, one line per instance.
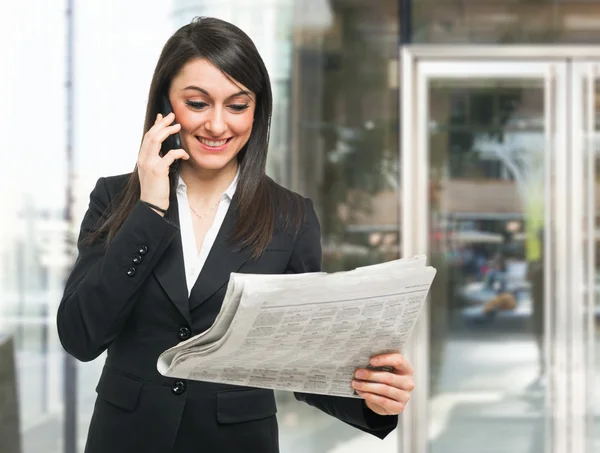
column 178, row 387
column 143, row 250
column 131, row 272
column 184, row 333
column 137, row 259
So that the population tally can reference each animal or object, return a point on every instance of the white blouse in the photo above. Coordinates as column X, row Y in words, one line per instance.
column 193, row 261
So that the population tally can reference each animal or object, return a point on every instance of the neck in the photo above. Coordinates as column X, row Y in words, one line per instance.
column 206, row 185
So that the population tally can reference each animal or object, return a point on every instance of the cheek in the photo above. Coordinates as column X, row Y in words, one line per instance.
column 242, row 125
column 190, row 121
column 184, row 117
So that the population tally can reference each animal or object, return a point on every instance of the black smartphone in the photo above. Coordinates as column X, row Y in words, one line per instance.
column 173, row 141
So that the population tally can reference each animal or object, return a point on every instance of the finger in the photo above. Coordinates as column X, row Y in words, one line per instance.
column 162, row 122
column 157, row 134
column 395, row 360
column 167, row 119
column 383, row 405
column 174, row 154
column 376, row 388
column 401, row 381
column 161, row 134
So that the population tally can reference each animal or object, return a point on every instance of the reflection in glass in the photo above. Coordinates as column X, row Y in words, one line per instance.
column 505, row 21
column 344, row 148
column 30, row 274
column 486, row 170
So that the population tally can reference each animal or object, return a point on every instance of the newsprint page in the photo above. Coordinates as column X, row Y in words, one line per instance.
column 306, row 332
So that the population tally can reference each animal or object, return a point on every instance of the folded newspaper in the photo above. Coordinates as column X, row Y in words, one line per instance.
column 305, row 332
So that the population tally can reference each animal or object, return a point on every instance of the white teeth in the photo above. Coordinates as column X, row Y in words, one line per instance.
column 211, row 142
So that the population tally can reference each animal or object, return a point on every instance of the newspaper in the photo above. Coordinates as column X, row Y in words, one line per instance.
column 305, row 332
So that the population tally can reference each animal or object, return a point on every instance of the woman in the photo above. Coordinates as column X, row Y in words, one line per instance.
column 157, row 247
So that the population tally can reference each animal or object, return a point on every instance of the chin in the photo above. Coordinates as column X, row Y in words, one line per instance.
column 213, row 162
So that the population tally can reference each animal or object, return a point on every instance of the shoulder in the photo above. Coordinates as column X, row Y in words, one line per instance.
column 286, row 198
column 281, row 192
column 115, row 184
column 110, row 187
column 294, row 213
column 290, row 205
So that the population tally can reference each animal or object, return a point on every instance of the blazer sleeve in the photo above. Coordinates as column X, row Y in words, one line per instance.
column 104, row 284
column 306, row 257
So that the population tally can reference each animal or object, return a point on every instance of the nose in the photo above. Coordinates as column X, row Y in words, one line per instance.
column 215, row 123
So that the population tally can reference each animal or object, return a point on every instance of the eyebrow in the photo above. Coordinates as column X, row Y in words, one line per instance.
column 202, row 90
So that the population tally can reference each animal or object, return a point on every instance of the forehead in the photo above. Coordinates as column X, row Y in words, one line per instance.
column 202, row 73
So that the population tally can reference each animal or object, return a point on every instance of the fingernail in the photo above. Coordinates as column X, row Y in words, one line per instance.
column 360, row 374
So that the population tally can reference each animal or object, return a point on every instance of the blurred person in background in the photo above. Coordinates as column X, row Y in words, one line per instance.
column 495, row 277
column 157, row 247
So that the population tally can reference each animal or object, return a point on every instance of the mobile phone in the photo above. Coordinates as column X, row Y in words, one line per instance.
column 173, row 141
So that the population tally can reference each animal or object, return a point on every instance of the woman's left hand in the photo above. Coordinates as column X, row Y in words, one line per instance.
column 385, row 392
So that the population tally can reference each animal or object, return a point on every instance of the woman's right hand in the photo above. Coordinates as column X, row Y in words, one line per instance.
column 153, row 169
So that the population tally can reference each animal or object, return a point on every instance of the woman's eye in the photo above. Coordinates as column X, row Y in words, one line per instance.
column 238, row 107
column 196, row 105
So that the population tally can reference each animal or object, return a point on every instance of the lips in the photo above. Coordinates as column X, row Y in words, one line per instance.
column 213, row 145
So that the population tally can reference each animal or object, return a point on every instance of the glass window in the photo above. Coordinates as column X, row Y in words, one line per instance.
column 115, row 52
column 505, row 21
column 344, row 153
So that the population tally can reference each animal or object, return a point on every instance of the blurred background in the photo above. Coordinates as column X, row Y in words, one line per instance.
column 464, row 129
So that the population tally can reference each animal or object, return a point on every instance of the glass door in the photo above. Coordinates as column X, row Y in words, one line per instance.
column 485, row 164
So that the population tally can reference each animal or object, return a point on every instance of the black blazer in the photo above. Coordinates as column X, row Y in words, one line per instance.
column 131, row 298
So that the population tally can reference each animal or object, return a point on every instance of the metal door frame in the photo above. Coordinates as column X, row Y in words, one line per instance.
column 584, row 75
column 564, row 69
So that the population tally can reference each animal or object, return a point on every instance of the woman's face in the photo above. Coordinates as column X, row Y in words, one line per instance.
column 215, row 114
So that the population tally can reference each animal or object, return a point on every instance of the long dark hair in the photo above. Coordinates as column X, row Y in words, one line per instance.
column 257, row 197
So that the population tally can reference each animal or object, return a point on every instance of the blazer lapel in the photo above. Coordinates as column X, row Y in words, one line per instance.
column 222, row 260
column 170, row 271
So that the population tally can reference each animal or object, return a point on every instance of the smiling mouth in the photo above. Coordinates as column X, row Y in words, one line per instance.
column 213, row 143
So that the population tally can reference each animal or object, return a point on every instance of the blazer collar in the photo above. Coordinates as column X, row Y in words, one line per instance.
column 169, row 270
column 222, row 260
